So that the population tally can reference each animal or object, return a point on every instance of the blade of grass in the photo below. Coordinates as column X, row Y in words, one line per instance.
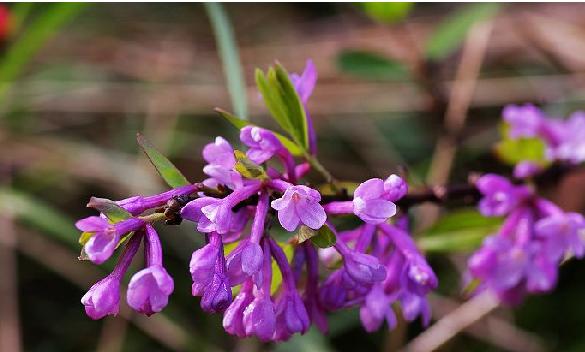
column 230, row 57
column 32, row 39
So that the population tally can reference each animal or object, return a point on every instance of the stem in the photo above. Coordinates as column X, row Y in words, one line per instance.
column 322, row 170
column 154, row 217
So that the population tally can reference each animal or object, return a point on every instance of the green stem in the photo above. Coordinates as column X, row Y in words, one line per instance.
column 322, row 170
column 154, row 217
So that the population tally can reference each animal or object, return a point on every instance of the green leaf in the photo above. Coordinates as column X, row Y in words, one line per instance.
column 169, row 172
column 325, row 237
column 370, row 65
column 38, row 214
column 513, row 151
column 109, row 208
column 230, row 57
column 461, row 230
column 387, row 12
column 294, row 107
column 304, row 234
column 239, row 123
column 247, row 168
column 452, row 31
column 284, row 104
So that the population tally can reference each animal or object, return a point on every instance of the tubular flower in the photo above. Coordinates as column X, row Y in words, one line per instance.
column 150, row 288
column 103, row 298
column 106, row 236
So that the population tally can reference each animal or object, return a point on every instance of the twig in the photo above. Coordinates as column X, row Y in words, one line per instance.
column 459, row 101
column 452, row 323
column 9, row 319
column 491, row 329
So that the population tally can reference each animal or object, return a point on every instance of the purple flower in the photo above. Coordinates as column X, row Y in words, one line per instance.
column 517, row 260
column 208, row 272
column 263, row 143
column 363, row 268
column 524, row 121
column 333, row 294
column 526, row 169
column 561, row 233
column 300, row 204
column 218, row 295
column 246, row 260
column 408, row 269
column 260, row 318
column 376, row 309
column 150, row 288
column 414, row 306
column 291, row 315
column 572, row 144
column 106, row 236
column 221, row 159
column 311, row 295
column 192, row 211
column 499, row 195
column 202, row 265
column 220, row 212
column 304, row 85
column 103, row 298
column 373, row 199
column 233, row 318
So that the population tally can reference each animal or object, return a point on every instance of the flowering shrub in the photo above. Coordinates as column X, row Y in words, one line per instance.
column 273, row 288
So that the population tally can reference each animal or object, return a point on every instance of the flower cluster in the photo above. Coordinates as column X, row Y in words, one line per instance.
column 524, row 255
column 233, row 273
column 563, row 139
column 272, row 288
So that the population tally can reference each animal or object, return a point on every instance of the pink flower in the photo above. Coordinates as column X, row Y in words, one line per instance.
column 300, row 204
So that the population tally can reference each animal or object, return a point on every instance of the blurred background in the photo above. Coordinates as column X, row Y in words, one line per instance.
column 417, row 86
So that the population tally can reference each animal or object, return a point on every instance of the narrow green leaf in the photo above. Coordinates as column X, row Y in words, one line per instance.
column 233, row 119
column 272, row 99
column 38, row 214
column 460, row 230
column 294, row 107
column 230, row 57
column 370, row 65
column 247, row 168
column 291, row 146
column 169, row 172
column 387, row 12
column 325, row 237
column 284, row 104
column 109, row 208
column 452, row 31
column 456, row 240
